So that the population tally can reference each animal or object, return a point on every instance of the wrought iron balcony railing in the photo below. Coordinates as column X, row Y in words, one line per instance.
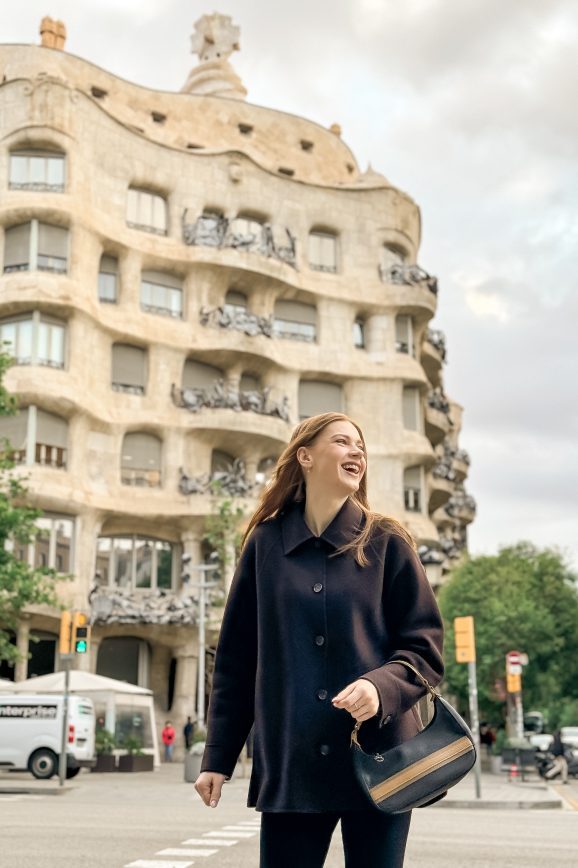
column 213, row 230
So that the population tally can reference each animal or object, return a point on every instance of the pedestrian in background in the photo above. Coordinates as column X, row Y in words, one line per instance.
column 325, row 595
column 188, row 731
column 168, row 737
column 557, row 749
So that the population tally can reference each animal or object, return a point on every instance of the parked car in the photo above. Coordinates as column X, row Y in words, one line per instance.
column 31, row 733
column 569, row 736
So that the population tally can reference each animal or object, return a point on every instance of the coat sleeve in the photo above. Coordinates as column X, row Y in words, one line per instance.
column 415, row 630
column 231, row 705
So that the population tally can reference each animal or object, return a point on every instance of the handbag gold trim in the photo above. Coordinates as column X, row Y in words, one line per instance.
column 420, row 770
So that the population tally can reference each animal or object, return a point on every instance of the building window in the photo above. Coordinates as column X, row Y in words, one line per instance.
column 248, row 225
column 392, row 257
column 404, row 342
column 249, row 383
column 265, row 470
column 316, row 396
column 221, row 462
column 36, row 246
column 322, row 251
column 135, row 563
column 295, row 320
column 54, row 546
column 412, row 488
column 34, row 339
column 359, row 334
column 235, row 303
column 141, row 460
column 129, row 369
column 108, row 279
column 36, row 437
column 146, row 211
column 199, row 376
column 37, row 170
column 411, row 409
column 161, row 293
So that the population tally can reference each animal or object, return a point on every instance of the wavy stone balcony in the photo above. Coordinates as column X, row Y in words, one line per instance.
column 440, row 485
column 267, row 239
column 221, row 396
column 433, row 355
column 461, row 506
column 117, row 606
column 437, row 416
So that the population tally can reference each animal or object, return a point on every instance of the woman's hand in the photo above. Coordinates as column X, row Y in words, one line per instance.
column 360, row 699
column 208, row 785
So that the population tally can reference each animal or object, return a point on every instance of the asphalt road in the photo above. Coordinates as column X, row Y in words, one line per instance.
column 140, row 820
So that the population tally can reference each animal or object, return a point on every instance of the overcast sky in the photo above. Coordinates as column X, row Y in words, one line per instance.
column 469, row 106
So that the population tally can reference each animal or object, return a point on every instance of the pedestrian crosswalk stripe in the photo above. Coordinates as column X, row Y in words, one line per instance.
column 158, row 863
column 242, row 829
column 178, row 851
column 214, row 842
column 221, row 834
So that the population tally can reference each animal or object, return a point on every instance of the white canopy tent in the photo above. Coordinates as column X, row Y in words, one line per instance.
column 122, row 708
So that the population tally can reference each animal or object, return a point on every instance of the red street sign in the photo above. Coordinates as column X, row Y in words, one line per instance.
column 514, row 657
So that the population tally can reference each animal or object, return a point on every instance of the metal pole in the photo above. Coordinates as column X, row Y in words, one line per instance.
column 64, row 738
column 201, row 682
column 474, row 720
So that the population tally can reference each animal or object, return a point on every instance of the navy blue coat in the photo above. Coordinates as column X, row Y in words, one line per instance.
column 299, row 625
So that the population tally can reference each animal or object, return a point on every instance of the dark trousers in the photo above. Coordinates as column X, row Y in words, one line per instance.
column 370, row 839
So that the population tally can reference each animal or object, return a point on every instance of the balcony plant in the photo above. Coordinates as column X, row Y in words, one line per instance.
column 104, row 744
column 135, row 760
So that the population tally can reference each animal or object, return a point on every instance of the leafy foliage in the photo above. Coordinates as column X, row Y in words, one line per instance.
column 222, row 527
column 20, row 585
column 522, row 599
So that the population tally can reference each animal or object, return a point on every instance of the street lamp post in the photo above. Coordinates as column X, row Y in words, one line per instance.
column 203, row 587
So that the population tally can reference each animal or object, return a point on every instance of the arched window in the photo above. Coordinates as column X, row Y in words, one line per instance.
column 129, row 369
column 412, row 488
column 37, row 169
column 411, row 408
column 161, row 293
column 249, row 382
column 141, row 460
column 36, row 437
column 147, row 211
column 108, row 279
column 36, row 246
column 134, row 561
column 317, row 396
column 322, row 250
column 249, row 224
column 34, row 339
column 404, row 342
column 295, row 320
column 54, row 547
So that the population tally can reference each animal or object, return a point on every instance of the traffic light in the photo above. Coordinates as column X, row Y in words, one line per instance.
column 80, row 633
column 65, row 629
column 465, row 639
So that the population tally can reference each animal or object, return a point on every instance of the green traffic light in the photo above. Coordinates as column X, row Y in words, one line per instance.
column 81, row 646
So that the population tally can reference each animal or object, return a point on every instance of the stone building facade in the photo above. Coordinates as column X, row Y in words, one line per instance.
column 185, row 276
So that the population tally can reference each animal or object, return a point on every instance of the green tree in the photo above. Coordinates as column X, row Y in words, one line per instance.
column 222, row 527
column 20, row 585
column 522, row 599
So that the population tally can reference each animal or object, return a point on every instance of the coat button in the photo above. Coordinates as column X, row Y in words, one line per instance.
column 320, row 640
column 324, row 749
column 317, row 587
column 321, row 694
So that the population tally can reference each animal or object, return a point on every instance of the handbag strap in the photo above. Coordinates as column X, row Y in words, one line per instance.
column 431, row 690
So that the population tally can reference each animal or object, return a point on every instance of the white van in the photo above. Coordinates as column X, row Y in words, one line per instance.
column 31, row 733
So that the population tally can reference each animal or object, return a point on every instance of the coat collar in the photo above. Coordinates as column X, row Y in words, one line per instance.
column 339, row 532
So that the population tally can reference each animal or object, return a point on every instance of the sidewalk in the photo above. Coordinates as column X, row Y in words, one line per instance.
column 497, row 793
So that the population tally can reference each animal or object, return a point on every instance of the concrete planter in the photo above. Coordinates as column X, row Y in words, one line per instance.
column 192, row 767
column 136, row 762
column 105, row 762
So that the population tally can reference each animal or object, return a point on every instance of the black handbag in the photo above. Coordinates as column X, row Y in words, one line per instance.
column 419, row 771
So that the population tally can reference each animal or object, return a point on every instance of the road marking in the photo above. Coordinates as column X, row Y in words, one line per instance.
column 177, row 851
column 214, row 842
column 564, row 794
column 158, row 863
column 242, row 829
column 228, row 834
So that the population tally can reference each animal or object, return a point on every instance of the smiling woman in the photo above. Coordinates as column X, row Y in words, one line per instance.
column 326, row 597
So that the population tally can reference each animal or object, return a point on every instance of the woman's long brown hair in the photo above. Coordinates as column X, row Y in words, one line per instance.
column 287, row 486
